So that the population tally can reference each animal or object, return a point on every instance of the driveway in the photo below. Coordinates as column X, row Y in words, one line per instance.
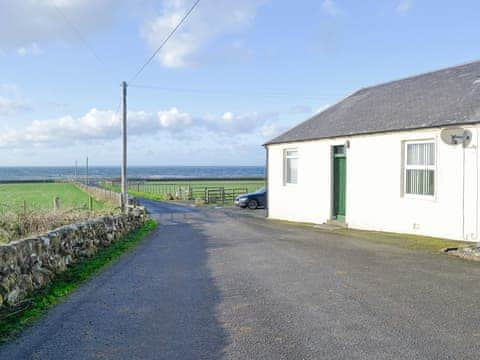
column 216, row 283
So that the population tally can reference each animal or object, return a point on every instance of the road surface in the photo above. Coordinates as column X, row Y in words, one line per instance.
column 221, row 284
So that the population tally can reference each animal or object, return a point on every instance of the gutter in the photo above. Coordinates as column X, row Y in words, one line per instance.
column 373, row 132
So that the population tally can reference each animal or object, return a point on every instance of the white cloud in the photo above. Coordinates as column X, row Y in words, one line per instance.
column 269, row 130
column 33, row 49
column 27, row 25
column 103, row 125
column 96, row 124
column 35, row 21
column 9, row 106
column 174, row 119
column 404, row 6
column 330, row 8
column 209, row 20
column 232, row 123
column 22, row 51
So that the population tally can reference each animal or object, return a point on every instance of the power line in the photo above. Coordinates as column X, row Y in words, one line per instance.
column 230, row 92
column 164, row 41
column 78, row 33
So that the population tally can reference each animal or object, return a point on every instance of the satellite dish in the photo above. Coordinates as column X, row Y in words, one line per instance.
column 456, row 136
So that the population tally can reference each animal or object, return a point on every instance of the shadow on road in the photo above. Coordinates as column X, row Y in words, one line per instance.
column 158, row 302
column 186, row 296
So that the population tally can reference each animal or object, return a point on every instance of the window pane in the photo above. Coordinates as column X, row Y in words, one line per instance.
column 421, row 154
column 420, row 182
column 340, row 149
column 291, row 153
column 292, row 171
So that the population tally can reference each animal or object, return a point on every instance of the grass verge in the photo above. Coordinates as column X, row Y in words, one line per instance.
column 63, row 284
column 140, row 194
column 156, row 197
column 405, row 241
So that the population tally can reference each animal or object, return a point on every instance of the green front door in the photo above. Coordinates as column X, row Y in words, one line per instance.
column 339, row 182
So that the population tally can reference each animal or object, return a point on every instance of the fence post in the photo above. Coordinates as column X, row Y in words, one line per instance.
column 56, row 203
column 90, row 203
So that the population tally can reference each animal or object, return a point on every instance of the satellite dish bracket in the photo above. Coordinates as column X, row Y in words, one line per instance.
column 460, row 138
column 455, row 136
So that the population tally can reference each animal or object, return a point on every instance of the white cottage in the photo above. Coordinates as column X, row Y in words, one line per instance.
column 397, row 157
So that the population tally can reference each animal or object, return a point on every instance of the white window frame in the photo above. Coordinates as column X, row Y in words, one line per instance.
column 285, row 165
column 419, row 167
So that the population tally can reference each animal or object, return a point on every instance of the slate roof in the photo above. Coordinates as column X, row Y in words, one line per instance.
column 440, row 98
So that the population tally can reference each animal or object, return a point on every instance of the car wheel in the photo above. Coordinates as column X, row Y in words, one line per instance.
column 252, row 204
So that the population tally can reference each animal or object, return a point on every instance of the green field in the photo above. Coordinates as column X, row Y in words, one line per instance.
column 225, row 183
column 157, row 190
column 249, row 185
column 39, row 196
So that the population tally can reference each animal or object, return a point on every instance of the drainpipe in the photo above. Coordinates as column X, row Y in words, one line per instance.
column 464, row 147
column 463, row 191
column 266, row 181
column 476, row 175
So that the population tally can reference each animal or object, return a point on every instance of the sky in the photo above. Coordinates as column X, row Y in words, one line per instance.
column 235, row 75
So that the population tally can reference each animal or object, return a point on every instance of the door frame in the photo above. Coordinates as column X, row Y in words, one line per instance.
column 334, row 216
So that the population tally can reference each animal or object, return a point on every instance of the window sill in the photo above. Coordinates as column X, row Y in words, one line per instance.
column 430, row 198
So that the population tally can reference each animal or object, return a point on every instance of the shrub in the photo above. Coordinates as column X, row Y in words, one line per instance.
column 14, row 226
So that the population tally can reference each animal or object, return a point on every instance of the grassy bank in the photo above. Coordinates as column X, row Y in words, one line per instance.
column 12, row 321
column 406, row 241
column 39, row 196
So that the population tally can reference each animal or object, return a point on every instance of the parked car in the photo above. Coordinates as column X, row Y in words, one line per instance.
column 252, row 200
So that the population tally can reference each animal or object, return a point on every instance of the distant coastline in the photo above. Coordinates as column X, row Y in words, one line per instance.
column 51, row 173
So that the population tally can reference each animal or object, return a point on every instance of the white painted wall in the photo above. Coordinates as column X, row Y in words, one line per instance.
column 375, row 199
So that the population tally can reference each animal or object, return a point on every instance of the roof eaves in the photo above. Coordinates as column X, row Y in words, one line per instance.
column 476, row 122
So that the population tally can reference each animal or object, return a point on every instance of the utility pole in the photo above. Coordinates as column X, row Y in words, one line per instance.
column 124, row 148
column 86, row 174
column 76, row 171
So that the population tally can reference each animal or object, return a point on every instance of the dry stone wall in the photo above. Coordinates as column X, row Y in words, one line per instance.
column 29, row 264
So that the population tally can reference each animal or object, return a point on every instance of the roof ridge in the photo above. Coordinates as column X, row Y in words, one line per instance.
column 385, row 110
column 418, row 75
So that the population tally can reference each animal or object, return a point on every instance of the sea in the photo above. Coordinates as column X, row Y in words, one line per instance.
column 134, row 172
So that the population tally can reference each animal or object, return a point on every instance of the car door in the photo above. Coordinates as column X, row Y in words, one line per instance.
column 261, row 199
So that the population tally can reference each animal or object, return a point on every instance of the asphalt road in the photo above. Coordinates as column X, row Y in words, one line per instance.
column 211, row 284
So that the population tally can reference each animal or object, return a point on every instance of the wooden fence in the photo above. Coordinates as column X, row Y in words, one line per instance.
column 209, row 194
column 222, row 195
column 102, row 194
